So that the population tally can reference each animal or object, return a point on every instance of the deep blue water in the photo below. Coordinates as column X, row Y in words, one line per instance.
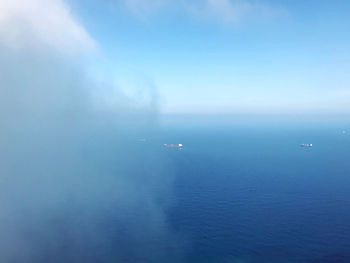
column 238, row 192
column 252, row 194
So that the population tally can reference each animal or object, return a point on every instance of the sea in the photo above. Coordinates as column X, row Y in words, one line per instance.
column 247, row 192
column 241, row 190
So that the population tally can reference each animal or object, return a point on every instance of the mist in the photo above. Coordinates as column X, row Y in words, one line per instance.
column 76, row 185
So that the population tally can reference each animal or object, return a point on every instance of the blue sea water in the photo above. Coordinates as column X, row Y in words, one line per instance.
column 250, row 193
column 238, row 192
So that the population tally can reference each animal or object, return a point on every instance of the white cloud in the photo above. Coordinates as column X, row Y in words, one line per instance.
column 233, row 11
column 35, row 23
column 223, row 11
column 62, row 155
column 145, row 8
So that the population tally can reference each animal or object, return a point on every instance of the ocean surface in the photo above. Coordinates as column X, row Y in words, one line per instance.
column 238, row 192
column 251, row 193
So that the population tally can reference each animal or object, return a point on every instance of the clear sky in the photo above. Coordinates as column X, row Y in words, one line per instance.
column 225, row 56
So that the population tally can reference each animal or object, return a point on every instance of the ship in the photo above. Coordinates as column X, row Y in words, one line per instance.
column 176, row 146
column 306, row 145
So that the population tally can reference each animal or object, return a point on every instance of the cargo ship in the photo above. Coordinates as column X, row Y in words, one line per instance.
column 306, row 145
column 176, row 146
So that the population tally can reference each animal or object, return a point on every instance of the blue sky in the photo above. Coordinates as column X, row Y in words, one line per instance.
column 225, row 56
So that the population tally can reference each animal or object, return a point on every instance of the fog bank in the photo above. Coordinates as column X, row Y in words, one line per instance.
column 76, row 185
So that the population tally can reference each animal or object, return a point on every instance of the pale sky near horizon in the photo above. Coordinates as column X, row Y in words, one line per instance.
column 214, row 56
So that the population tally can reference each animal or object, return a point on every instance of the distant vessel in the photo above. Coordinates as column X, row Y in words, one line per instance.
column 306, row 145
column 176, row 146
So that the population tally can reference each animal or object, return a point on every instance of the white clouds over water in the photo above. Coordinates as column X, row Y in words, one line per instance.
column 76, row 186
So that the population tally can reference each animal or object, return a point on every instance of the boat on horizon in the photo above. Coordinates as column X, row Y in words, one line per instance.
column 176, row 146
column 306, row 145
